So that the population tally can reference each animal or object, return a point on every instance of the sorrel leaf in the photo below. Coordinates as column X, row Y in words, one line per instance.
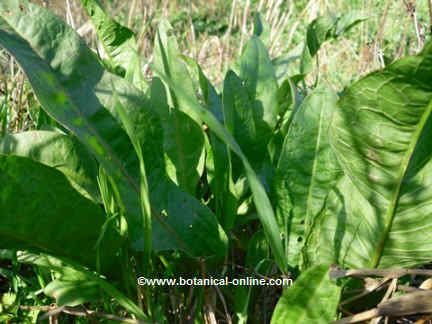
column 184, row 139
column 42, row 212
column 379, row 214
column 78, row 93
column 324, row 28
column 312, row 299
column 243, row 118
column 59, row 151
column 257, row 73
column 118, row 41
column 306, row 171
column 68, row 271
column 261, row 200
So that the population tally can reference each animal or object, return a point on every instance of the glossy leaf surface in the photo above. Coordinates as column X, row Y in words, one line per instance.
column 312, row 299
column 184, row 138
column 379, row 214
column 78, row 92
column 41, row 211
column 260, row 198
column 59, row 151
column 118, row 41
column 306, row 171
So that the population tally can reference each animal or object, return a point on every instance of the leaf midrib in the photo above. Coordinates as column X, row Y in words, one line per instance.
column 376, row 257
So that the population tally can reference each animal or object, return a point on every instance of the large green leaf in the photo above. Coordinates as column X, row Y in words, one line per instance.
column 251, row 108
column 324, row 28
column 73, row 91
column 71, row 276
column 262, row 29
column 118, row 41
column 218, row 157
column 41, row 211
column 306, row 171
column 59, row 151
column 312, row 299
column 243, row 117
column 261, row 200
column 379, row 214
column 184, row 139
column 256, row 71
column 78, row 93
column 221, row 181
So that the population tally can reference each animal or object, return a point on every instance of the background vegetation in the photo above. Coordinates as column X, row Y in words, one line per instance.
column 214, row 33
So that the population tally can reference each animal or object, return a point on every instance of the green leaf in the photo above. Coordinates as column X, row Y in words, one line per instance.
column 144, row 192
column 243, row 118
column 75, row 92
column 78, row 93
column 59, row 151
column 324, row 28
column 218, row 159
column 68, row 272
column 42, row 212
column 289, row 101
column 256, row 71
column 306, row 171
column 262, row 29
column 73, row 290
column 312, row 299
column 260, row 197
column 251, row 107
column 348, row 21
column 118, row 41
column 184, row 139
column 257, row 250
column 378, row 215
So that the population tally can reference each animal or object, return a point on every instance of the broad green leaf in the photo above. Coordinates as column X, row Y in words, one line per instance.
column 184, row 139
column 289, row 101
column 118, row 41
column 324, row 28
column 306, row 171
column 59, row 151
column 347, row 21
column 379, row 214
column 243, row 117
column 256, row 71
column 42, row 212
column 251, row 107
column 68, row 272
column 168, row 61
column 262, row 29
column 78, row 93
column 312, row 299
column 77, row 97
column 218, row 159
column 257, row 250
column 73, row 291
column 317, row 33
column 144, row 192
column 222, row 183
column 261, row 200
